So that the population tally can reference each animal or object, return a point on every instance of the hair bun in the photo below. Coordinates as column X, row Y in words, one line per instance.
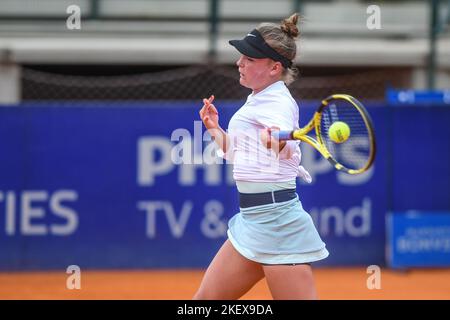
column 289, row 26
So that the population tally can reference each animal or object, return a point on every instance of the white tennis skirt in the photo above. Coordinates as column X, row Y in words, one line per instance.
column 276, row 233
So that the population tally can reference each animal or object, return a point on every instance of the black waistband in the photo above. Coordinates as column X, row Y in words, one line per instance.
column 258, row 199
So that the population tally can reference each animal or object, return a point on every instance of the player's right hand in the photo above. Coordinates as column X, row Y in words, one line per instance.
column 208, row 114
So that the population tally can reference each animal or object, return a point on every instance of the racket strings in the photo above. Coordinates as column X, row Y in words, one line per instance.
column 354, row 153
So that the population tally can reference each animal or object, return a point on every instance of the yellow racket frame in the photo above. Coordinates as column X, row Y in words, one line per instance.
column 314, row 123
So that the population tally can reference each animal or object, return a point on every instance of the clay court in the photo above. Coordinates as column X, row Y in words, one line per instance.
column 332, row 283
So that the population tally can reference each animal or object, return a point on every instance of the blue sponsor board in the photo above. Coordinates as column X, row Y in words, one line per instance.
column 418, row 239
column 418, row 97
column 97, row 186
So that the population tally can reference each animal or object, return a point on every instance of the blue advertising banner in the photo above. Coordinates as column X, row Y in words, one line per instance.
column 419, row 239
column 97, row 186
column 418, row 97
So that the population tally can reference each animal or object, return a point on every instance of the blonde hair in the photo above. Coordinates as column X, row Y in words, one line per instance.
column 281, row 38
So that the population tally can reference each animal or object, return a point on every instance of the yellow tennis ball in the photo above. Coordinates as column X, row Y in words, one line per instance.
column 339, row 132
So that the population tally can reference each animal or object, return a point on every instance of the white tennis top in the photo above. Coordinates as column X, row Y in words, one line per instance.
column 273, row 106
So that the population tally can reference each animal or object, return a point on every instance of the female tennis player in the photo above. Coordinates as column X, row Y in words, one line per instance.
column 272, row 236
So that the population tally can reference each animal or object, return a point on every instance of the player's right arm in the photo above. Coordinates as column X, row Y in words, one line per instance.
column 210, row 118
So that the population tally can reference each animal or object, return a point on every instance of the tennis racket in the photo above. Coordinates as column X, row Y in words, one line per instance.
column 352, row 150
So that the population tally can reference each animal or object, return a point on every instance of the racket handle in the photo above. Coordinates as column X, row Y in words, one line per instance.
column 282, row 135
